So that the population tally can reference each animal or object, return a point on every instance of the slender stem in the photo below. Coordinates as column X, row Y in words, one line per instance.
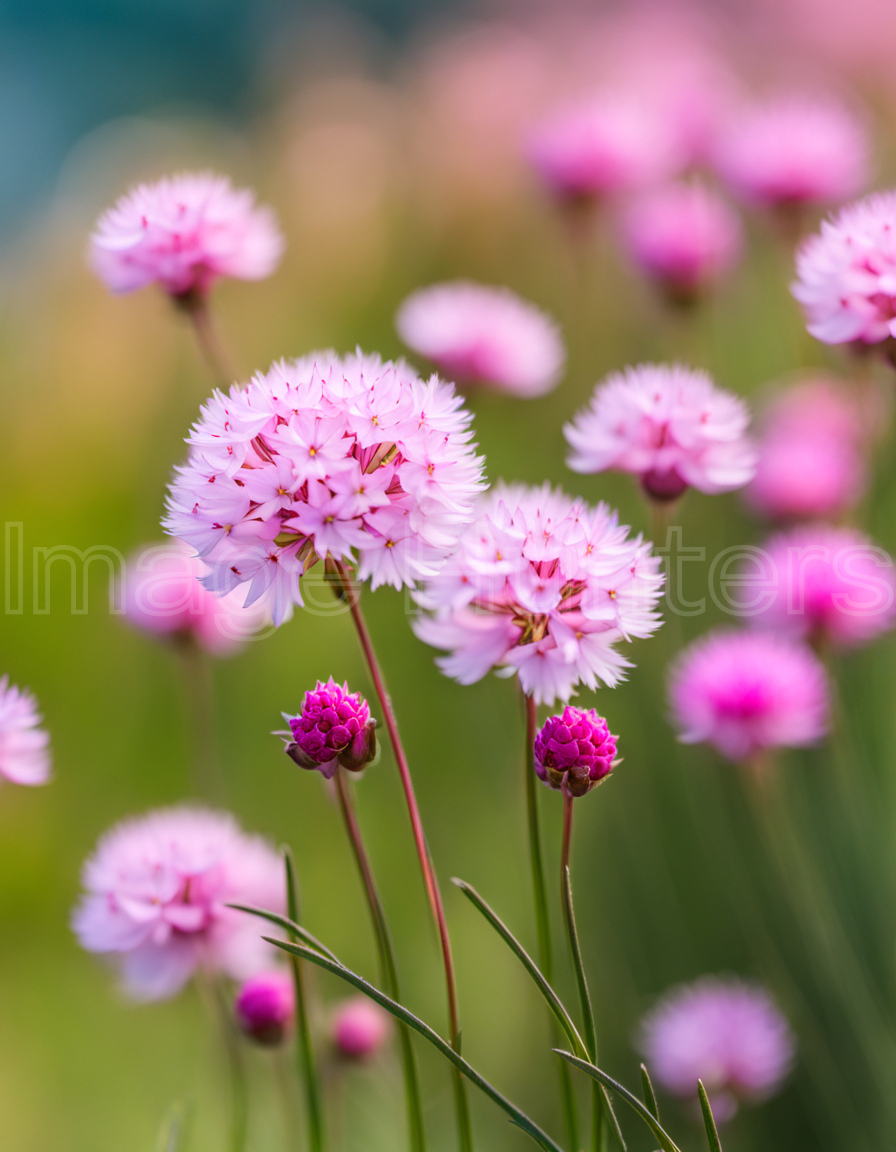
column 284, row 1080
column 239, row 1098
column 199, row 690
column 196, row 308
column 352, row 597
column 388, row 970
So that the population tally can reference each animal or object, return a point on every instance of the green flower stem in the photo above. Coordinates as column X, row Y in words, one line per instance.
column 196, row 308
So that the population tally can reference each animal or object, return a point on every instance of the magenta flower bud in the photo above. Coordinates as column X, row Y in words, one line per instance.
column 574, row 751
column 334, row 727
column 360, row 1028
column 265, row 1006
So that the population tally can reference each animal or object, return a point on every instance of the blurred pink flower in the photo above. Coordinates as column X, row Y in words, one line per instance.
column 265, row 1005
column 360, row 1028
column 670, row 426
column 24, row 745
column 162, row 594
column 599, row 147
column 823, row 584
column 183, row 233
column 342, row 456
column 725, row 1032
column 795, row 150
column 744, row 692
column 846, row 274
column 157, row 887
column 684, row 237
column 476, row 334
column 543, row 586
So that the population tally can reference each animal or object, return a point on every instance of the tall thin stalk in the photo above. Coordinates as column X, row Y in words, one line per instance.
column 195, row 307
column 352, row 597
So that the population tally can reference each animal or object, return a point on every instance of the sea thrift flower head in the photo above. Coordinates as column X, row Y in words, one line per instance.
column 670, row 426
column 744, row 692
column 360, row 1028
column 183, row 233
column 574, row 751
column 346, row 457
column 827, row 585
column 265, row 1005
column 597, row 148
column 725, row 1032
column 156, row 894
column 162, row 594
column 846, row 274
column 683, row 237
column 543, row 586
column 476, row 334
column 795, row 151
column 333, row 728
column 24, row 745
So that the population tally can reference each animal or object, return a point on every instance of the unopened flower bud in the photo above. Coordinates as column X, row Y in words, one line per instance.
column 574, row 751
column 265, row 1005
column 360, row 1028
column 333, row 728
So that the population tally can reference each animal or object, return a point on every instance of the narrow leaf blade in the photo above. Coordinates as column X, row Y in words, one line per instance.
column 712, row 1133
column 649, row 1094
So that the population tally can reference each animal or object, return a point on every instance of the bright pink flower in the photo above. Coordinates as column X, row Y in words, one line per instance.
column 596, row 148
column 334, row 727
column 475, row 334
column 684, row 237
column 183, row 233
column 349, row 457
column 24, row 745
column 825, row 585
column 795, row 151
column 743, row 692
column 847, row 274
column 265, row 1005
column 360, row 1028
column 544, row 586
column 157, row 887
column 670, row 426
column 574, row 751
column 727, row 1033
column 811, row 463
column 162, row 594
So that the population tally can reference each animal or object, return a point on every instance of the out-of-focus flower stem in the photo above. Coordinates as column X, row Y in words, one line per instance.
column 199, row 690
column 213, row 991
column 351, row 595
column 195, row 306
column 388, row 971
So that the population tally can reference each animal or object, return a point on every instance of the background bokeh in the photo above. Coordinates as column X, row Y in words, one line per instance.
column 387, row 138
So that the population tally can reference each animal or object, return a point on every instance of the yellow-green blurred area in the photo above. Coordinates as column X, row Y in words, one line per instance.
column 392, row 165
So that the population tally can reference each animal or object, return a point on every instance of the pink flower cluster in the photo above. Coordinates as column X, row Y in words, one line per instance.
column 156, row 895
column 574, row 751
column 24, row 745
column 544, row 586
column 811, row 461
column 183, row 233
column 727, row 1033
column 846, row 274
column 349, row 457
column 670, row 426
column 827, row 585
column 265, row 1006
column 162, row 594
column 476, row 334
column 333, row 728
column 744, row 692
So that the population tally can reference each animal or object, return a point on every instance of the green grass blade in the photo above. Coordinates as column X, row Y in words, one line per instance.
column 289, row 925
column 173, row 1133
column 401, row 1013
column 666, row 1141
column 649, row 1094
column 712, row 1134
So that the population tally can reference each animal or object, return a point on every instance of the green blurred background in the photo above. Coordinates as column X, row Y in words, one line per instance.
column 364, row 130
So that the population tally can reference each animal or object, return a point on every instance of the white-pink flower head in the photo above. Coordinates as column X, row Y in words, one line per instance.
column 744, row 692
column 602, row 146
column 670, row 426
column 794, row 151
column 24, row 745
column 156, row 891
column 811, row 454
column 728, row 1033
column 476, row 334
column 684, row 237
column 543, row 586
column 827, row 585
column 162, row 593
column 343, row 456
column 183, row 233
column 846, row 274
